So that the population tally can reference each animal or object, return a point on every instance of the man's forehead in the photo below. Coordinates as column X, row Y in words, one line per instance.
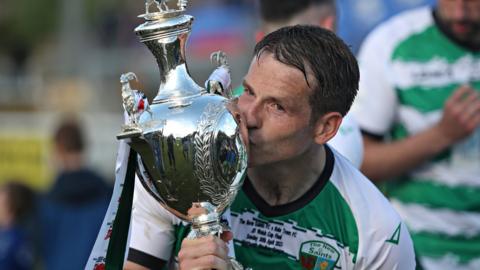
column 267, row 57
column 276, row 79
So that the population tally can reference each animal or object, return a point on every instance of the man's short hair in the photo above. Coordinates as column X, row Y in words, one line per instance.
column 325, row 57
column 69, row 136
column 283, row 10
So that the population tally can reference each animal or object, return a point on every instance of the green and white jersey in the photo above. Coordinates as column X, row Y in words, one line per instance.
column 409, row 68
column 342, row 222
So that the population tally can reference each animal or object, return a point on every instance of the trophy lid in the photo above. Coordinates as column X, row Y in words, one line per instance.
column 164, row 21
column 165, row 33
column 164, row 25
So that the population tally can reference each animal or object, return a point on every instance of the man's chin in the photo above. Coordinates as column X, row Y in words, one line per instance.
column 463, row 31
column 251, row 164
column 254, row 162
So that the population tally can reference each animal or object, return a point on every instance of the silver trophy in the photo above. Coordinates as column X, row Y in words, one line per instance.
column 191, row 157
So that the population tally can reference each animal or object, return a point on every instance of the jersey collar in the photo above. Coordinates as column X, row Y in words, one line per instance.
column 284, row 209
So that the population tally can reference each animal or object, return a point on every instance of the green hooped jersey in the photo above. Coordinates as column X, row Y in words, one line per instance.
column 409, row 69
column 342, row 222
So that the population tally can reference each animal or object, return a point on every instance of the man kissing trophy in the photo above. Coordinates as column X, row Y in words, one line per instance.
column 187, row 149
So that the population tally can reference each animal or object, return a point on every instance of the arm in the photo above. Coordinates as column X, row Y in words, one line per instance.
column 383, row 160
column 152, row 234
column 461, row 116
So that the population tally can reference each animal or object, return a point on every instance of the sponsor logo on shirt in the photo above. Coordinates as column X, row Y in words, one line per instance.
column 318, row 255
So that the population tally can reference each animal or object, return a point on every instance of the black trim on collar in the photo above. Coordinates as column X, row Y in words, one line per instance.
column 443, row 28
column 371, row 135
column 284, row 209
column 144, row 259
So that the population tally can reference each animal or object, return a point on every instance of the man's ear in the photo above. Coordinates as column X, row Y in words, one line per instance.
column 327, row 126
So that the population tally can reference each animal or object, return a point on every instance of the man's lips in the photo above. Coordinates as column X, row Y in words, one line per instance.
column 461, row 27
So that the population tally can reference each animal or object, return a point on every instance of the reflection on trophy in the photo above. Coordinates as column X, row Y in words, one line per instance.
column 191, row 157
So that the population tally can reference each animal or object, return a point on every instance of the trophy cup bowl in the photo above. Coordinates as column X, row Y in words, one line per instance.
column 191, row 157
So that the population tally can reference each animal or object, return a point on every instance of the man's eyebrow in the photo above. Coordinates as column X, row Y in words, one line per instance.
column 247, row 85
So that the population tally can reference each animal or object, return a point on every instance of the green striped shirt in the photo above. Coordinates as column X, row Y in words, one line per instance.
column 409, row 68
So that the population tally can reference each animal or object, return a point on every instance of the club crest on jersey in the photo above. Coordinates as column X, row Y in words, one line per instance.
column 318, row 255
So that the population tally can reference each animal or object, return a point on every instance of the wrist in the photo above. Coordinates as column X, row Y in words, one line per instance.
column 442, row 139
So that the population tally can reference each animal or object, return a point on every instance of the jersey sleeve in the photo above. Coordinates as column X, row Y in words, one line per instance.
column 393, row 252
column 375, row 105
column 152, row 230
column 384, row 240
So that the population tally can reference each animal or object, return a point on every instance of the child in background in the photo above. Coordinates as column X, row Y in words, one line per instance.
column 15, row 205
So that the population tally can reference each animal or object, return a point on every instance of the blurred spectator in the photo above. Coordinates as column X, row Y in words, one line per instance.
column 15, row 245
column 72, row 211
column 419, row 110
column 358, row 18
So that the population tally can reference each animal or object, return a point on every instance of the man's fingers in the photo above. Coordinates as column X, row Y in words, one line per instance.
column 193, row 249
column 205, row 263
column 474, row 122
column 208, row 252
column 460, row 94
column 470, row 97
column 212, row 262
column 471, row 111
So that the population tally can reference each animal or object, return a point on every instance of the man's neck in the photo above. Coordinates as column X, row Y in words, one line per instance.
column 288, row 180
column 71, row 162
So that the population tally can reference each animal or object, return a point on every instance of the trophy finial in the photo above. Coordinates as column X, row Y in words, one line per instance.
column 182, row 4
column 162, row 9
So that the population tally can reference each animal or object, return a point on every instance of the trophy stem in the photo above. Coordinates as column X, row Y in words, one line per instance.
column 201, row 230
column 205, row 220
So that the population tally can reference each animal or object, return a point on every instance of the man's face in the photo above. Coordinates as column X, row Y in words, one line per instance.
column 461, row 17
column 277, row 112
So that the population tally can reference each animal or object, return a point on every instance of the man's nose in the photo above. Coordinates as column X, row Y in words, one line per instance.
column 459, row 10
column 253, row 115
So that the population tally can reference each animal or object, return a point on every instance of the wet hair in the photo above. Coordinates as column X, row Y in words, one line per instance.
column 19, row 198
column 282, row 10
column 319, row 54
column 69, row 136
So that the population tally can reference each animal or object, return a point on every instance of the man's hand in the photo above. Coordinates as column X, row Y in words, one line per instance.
column 208, row 252
column 461, row 114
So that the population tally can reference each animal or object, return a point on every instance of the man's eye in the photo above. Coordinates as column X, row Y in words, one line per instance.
column 249, row 92
column 278, row 107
